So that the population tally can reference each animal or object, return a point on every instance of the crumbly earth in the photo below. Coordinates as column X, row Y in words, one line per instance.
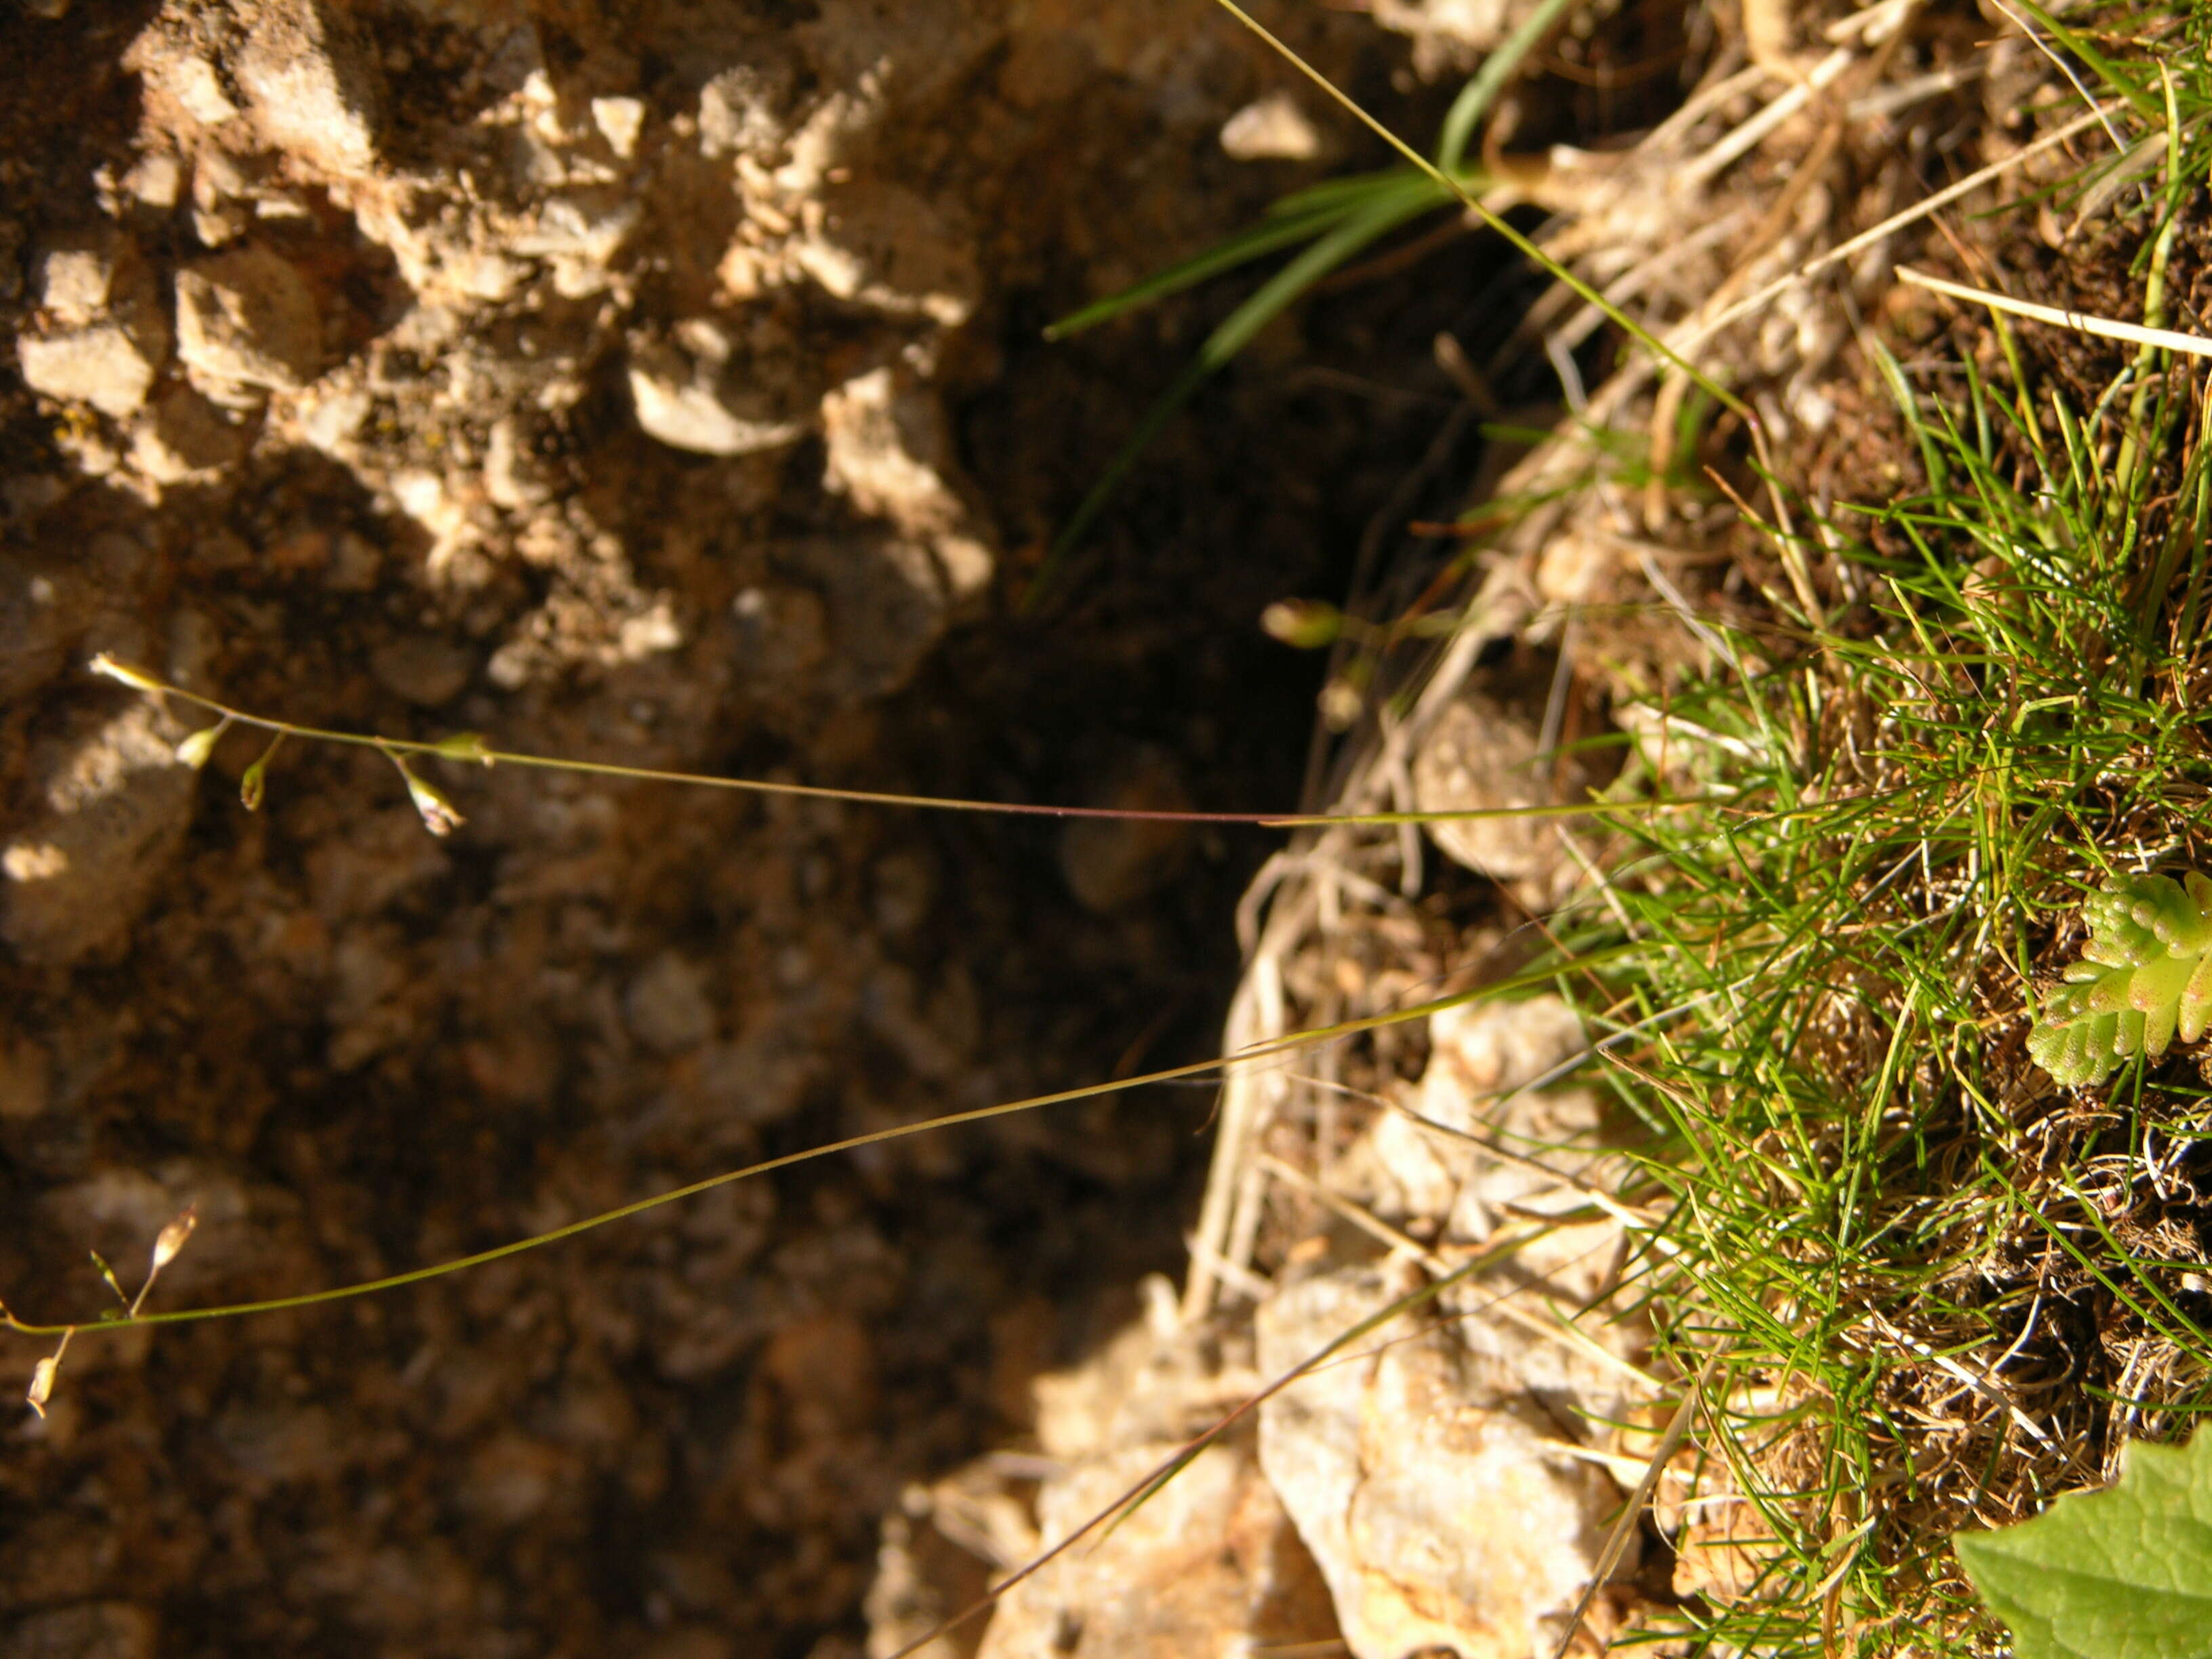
column 655, row 383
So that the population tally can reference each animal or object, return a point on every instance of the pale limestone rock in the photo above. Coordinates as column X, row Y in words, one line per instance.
column 685, row 396
column 511, row 477
column 442, row 510
column 115, row 803
column 885, row 441
column 447, row 251
column 74, row 283
column 1480, row 1055
column 580, row 235
column 685, row 413
column 1487, row 1048
column 1483, row 1059
column 311, row 88
column 178, row 69
column 1438, row 1514
column 1483, row 753
column 1451, row 34
column 1208, row 1565
column 329, row 416
column 647, row 633
column 742, row 109
column 834, row 130
column 98, row 337
column 1271, row 129
column 1153, row 1381
column 222, row 199
column 923, row 1577
column 103, row 365
column 155, row 182
column 884, row 246
column 619, row 121
column 184, row 436
column 888, row 452
column 248, row 318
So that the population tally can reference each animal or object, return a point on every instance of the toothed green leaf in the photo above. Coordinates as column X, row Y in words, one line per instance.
column 2144, row 977
column 2125, row 1573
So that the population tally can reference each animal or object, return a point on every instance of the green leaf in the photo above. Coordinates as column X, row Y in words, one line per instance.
column 2144, row 977
column 2125, row 1573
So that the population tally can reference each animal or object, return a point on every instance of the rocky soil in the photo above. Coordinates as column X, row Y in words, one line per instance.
column 656, row 383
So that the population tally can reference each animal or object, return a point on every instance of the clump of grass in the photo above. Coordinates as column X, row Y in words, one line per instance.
column 1939, row 1288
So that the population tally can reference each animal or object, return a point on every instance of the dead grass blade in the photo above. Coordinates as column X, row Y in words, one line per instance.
column 2080, row 322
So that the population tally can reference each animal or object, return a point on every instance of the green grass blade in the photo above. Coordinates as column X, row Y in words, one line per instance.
column 1409, row 196
column 1350, row 191
column 1476, row 97
column 1529, row 979
column 2109, row 72
column 1253, row 243
column 1521, row 244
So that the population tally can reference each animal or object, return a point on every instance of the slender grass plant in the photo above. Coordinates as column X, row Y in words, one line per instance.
column 1940, row 1289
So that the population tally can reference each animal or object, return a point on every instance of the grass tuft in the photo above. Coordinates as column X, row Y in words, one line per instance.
column 1939, row 1288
